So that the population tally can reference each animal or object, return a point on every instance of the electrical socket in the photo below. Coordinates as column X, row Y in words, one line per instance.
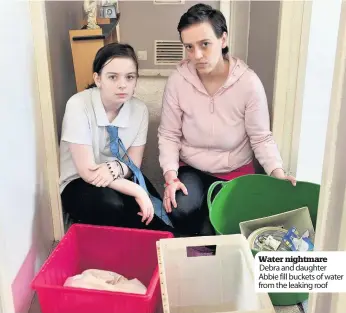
column 142, row 55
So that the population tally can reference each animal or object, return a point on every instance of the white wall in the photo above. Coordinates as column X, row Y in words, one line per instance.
column 318, row 83
column 25, row 219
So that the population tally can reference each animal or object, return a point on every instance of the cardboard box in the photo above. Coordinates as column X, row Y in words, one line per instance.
column 220, row 282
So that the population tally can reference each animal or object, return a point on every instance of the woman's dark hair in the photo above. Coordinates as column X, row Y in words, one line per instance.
column 108, row 53
column 200, row 13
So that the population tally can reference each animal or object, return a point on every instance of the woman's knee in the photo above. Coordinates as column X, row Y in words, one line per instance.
column 188, row 204
column 187, row 222
column 186, row 216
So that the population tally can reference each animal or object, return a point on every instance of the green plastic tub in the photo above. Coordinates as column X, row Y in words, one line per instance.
column 256, row 196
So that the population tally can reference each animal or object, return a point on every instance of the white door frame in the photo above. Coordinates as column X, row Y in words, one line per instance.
column 292, row 47
column 46, row 107
column 331, row 220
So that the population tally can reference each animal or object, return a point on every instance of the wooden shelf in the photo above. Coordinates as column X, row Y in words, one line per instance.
column 84, row 45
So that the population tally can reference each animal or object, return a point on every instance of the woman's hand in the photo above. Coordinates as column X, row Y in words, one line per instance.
column 146, row 206
column 169, row 195
column 101, row 175
column 280, row 174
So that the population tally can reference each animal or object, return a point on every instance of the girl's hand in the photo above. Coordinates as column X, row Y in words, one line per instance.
column 101, row 176
column 146, row 206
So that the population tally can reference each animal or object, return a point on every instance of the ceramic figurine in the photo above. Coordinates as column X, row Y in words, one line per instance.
column 90, row 7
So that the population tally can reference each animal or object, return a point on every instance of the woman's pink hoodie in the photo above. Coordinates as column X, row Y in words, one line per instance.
column 218, row 133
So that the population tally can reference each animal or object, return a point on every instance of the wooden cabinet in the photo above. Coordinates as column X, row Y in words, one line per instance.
column 84, row 45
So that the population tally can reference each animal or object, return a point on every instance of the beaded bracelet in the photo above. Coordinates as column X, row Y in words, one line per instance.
column 120, row 169
column 111, row 171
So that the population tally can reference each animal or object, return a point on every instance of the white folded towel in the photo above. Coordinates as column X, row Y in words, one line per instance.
column 105, row 280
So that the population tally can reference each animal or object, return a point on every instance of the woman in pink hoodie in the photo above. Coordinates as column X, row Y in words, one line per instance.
column 214, row 120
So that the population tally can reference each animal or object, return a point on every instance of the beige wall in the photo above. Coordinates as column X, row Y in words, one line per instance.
column 264, row 21
column 239, row 29
column 61, row 17
column 150, row 90
column 143, row 22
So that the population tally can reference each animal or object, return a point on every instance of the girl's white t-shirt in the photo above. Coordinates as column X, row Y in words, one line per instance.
column 85, row 122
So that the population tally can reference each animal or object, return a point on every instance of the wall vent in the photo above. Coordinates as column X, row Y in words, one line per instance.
column 168, row 52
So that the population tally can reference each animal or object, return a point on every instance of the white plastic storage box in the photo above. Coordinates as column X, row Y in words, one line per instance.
column 220, row 282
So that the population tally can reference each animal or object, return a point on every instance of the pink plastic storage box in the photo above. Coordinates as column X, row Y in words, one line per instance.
column 130, row 252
